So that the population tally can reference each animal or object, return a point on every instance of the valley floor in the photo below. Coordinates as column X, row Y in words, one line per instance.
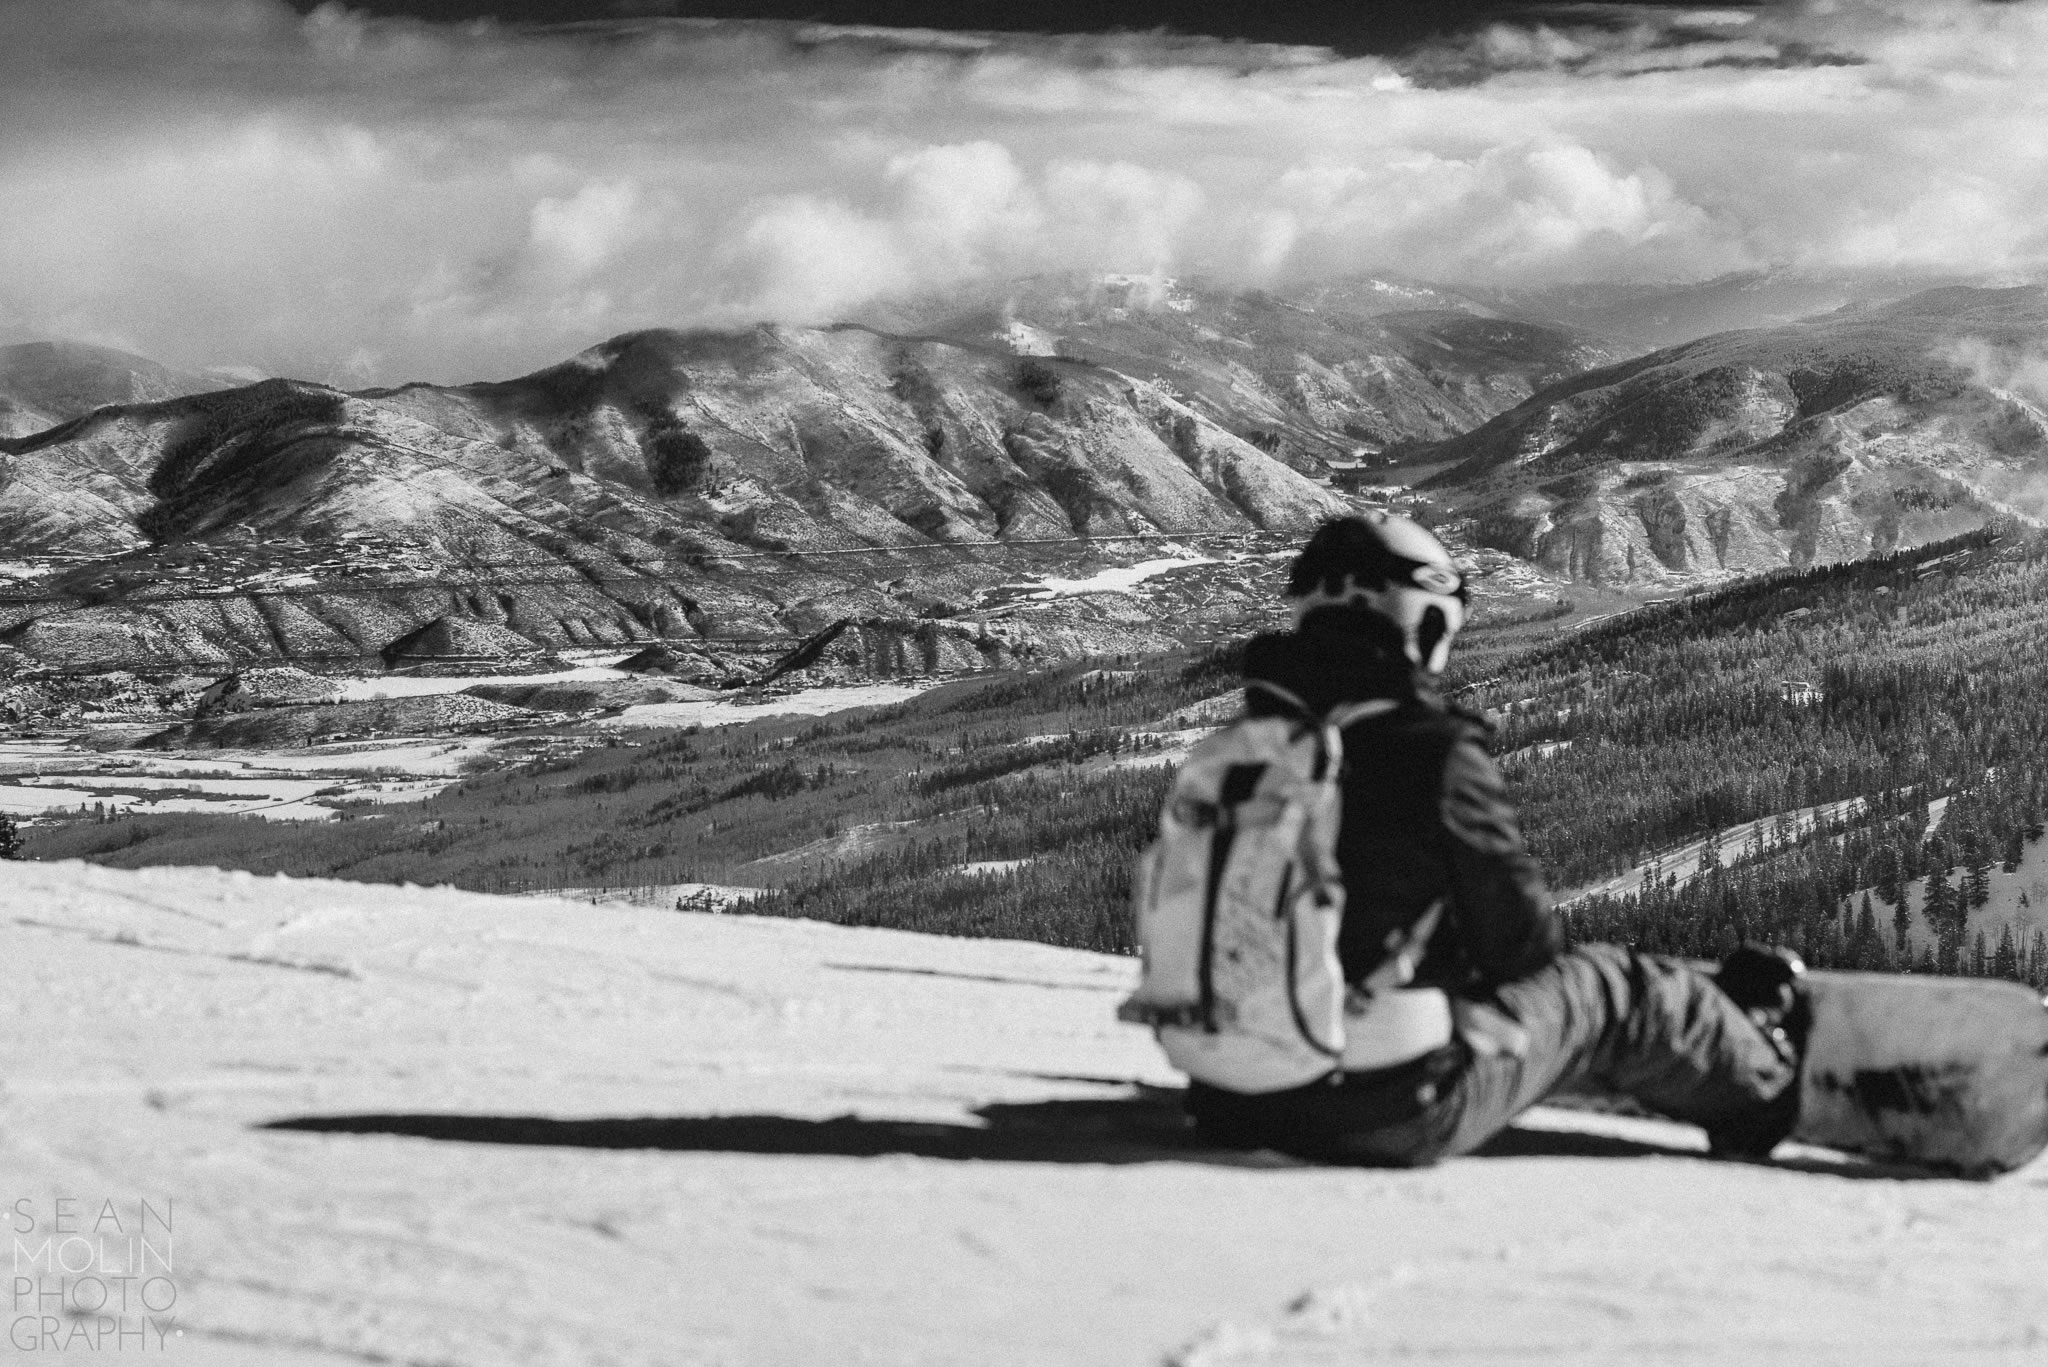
column 67, row 774
column 421, row 1126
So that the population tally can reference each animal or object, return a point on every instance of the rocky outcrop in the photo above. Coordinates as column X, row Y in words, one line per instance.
column 662, row 661
column 459, row 641
column 278, row 686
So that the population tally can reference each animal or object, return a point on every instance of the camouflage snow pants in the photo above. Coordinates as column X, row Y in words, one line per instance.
column 1598, row 1017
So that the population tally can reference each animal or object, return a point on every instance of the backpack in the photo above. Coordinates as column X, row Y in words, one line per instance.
column 1239, row 899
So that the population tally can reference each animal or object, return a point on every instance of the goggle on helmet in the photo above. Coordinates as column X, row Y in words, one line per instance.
column 1410, row 580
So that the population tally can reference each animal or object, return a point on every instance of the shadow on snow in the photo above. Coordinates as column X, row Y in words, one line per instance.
column 1144, row 1126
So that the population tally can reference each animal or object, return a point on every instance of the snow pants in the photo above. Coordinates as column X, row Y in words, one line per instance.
column 1598, row 1017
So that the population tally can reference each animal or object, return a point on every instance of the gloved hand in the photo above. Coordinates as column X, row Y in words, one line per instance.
column 1489, row 1031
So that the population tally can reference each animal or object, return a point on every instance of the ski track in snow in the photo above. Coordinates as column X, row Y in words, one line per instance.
column 1682, row 862
column 566, row 1134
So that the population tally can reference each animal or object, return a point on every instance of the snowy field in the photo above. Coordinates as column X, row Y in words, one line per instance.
column 1114, row 579
column 39, row 776
column 1117, row 579
column 420, row 1126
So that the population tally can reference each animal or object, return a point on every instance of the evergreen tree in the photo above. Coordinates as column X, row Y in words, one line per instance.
column 1937, row 910
column 1887, row 859
column 1866, row 949
column 1980, row 956
column 1902, row 924
column 2005, row 962
column 1978, row 883
column 1710, row 854
column 10, row 838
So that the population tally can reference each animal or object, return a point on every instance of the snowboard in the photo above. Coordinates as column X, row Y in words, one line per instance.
column 1950, row 1073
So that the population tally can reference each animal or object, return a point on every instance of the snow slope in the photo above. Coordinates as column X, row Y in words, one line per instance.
column 544, row 1132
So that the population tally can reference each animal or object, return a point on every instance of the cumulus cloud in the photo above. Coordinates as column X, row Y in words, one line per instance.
column 225, row 181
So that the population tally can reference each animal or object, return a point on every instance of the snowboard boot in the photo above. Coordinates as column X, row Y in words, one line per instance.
column 1764, row 980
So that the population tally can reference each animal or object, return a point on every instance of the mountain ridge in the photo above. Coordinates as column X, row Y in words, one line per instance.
column 635, row 480
column 1856, row 431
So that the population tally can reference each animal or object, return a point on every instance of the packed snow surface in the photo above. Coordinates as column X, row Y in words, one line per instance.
column 543, row 1132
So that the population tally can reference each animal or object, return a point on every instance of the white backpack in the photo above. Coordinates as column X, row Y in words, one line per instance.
column 1238, row 902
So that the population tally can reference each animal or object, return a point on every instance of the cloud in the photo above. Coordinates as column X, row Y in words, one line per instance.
column 579, row 233
column 2018, row 371
column 225, row 181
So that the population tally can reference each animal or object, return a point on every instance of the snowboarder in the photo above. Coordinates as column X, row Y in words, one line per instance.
column 1429, row 839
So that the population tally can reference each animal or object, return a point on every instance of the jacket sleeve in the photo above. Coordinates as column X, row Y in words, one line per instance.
column 1502, row 907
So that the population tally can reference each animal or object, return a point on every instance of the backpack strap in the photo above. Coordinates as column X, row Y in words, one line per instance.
column 1346, row 713
column 1331, row 724
column 1340, row 716
column 1403, row 949
column 1287, row 697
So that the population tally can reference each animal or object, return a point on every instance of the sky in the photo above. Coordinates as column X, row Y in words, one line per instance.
column 445, row 191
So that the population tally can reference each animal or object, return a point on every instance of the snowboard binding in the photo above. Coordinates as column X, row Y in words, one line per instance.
column 1766, row 981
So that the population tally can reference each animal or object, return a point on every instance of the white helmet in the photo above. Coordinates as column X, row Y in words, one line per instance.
column 1393, row 568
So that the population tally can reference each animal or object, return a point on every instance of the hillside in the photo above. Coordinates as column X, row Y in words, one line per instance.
column 430, row 1126
column 1857, row 431
column 663, row 484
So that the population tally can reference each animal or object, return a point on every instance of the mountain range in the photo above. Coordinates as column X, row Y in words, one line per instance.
column 915, row 472
column 1364, row 366
column 758, row 483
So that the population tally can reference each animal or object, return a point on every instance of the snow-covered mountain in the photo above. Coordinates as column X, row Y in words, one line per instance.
column 415, row 1125
column 1311, row 373
column 1853, row 432
column 655, row 485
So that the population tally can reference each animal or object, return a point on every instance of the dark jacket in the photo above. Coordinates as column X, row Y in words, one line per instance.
column 1426, row 814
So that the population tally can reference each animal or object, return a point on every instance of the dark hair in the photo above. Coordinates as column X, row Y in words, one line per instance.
column 1344, row 547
